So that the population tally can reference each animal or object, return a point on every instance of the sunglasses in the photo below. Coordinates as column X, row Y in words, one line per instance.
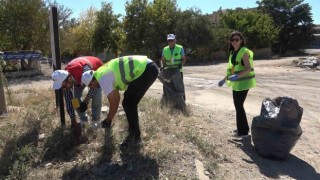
column 234, row 40
column 170, row 40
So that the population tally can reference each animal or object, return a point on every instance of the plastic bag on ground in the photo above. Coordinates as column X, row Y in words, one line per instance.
column 276, row 131
column 173, row 88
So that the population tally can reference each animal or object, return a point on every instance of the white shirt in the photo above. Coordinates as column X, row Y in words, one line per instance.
column 107, row 82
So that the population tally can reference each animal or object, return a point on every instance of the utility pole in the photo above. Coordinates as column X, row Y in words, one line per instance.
column 55, row 50
column 3, row 106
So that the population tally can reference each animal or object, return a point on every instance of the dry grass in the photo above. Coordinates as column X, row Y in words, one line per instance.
column 172, row 142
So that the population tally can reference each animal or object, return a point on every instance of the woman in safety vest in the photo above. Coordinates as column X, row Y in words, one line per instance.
column 241, row 77
column 132, row 74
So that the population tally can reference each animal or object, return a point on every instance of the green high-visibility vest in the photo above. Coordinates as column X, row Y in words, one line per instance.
column 246, row 82
column 173, row 60
column 125, row 69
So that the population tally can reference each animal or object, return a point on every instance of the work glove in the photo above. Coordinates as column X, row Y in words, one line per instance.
column 233, row 77
column 83, row 107
column 106, row 123
column 221, row 83
column 180, row 66
column 162, row 68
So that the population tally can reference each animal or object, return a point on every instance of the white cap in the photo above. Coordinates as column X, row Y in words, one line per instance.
column 87, row 77
column 171, row 36
column 58, row 77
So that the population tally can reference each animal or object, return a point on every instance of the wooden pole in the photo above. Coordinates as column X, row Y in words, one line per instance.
column 3, row 106
column 55, row 51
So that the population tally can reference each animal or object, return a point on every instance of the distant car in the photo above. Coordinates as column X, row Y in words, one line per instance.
column 43, row 60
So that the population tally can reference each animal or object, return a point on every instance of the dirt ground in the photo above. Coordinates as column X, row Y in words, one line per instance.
column 278, row 77
column 213, row 107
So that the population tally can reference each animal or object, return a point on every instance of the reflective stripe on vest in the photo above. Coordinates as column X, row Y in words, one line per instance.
column 171, row 55
column 122, row 71
column 246, row 78
column 246, row 82
column 125, row 69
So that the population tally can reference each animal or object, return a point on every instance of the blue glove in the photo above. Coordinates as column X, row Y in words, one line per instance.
column 233, row 77
column 221, row 83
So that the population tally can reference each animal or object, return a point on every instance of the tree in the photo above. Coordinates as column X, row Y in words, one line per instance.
column 193, row 31
column 107, row 30
column 82, row 34
column 161, row 18
column 136, row 24
column 257, row 27
column 23, row 23
column 294, row 20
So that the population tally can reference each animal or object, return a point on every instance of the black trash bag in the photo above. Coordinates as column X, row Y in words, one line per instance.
column 173, row 88
column 276, row 131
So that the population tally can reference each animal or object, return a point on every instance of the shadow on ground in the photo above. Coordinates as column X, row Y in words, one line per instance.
column 292, row 166
column 133, row 165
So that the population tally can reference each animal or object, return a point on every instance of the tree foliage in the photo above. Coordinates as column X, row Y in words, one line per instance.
column 294, row 19
column 107, row 30
column 258, row 28
column 136, row 24
column 193, row 30
column 161, row 21
column 23, row 23
column 82, row 34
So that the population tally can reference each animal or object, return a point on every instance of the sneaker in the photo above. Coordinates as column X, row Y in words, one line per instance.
column 240, row 136
column 95, row 125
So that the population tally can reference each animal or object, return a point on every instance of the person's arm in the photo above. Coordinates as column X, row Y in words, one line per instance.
column 245, row 59
column 91, row 93
column 68, row 97
column 114, row 100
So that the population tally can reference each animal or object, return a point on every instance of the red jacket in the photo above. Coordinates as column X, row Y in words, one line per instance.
column 75, row 67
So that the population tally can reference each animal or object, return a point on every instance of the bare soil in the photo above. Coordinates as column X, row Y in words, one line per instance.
column 213, row 108
column 215, row 112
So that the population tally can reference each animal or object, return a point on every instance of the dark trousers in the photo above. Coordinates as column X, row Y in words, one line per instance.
column 134, row 94
column 242, row 123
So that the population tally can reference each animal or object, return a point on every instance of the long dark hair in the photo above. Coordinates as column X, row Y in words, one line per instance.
column 236, row 33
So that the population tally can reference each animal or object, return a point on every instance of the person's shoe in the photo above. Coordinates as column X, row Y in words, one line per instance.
column 95, row 125
column 240, row 135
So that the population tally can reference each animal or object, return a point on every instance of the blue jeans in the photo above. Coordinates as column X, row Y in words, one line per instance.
column 96, row 104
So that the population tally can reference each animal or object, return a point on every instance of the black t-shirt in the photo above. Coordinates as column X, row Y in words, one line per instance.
column 234, row 57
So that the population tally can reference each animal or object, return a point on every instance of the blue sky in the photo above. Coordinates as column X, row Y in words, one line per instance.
column 206, row 6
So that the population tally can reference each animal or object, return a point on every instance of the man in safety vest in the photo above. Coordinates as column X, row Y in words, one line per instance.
column 132, row 74
column 173, row 56
column 70, row 80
